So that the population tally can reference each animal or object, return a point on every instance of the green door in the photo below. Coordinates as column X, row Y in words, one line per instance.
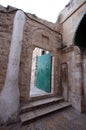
column 44, row 68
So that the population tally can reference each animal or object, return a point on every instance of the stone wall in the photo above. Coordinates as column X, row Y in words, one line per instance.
column 6, row 27
column 37, row 33
column 69, row 61
column 74, row 87
column 70, row 25
column 10, row 95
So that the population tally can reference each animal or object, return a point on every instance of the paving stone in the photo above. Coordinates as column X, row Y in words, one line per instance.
column 55, row 121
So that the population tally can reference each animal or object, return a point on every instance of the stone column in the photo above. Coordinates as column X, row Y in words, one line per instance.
column 78, row 76
column 84, row 77
column 9, row 97
column 56, row 74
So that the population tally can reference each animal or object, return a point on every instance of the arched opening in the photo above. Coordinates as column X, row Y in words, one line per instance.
column 80, row 34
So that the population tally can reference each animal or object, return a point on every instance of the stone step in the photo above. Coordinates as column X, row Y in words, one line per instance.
column 31, row 115
column 40, row 103
column 39, row 97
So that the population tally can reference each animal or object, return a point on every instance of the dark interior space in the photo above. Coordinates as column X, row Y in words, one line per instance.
column 80, row 34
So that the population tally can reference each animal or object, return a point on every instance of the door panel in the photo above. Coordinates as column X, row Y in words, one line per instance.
column 44, row 72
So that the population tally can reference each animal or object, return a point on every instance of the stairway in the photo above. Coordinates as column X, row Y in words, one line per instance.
column 38, row 108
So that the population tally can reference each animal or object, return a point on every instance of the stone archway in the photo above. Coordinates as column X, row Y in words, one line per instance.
column 80, row 34
column 80, row 49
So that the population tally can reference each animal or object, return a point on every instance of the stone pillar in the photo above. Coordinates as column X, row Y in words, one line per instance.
column 84, row 78
column 78, row 76
column 9, row 97
column 56, row 74
column 28, row 75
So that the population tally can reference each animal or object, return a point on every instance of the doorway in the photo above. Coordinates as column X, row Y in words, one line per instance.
column 41, row 72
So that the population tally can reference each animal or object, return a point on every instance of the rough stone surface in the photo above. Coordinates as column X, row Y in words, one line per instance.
column 34, row 31
column 73, row 72
column 9, row 97
column 69, row 68
column 64, row 120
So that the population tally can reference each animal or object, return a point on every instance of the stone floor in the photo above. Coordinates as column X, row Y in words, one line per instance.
column 36, row 92
column 67, row 119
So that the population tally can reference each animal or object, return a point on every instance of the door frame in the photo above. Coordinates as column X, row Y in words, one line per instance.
column 52, row 72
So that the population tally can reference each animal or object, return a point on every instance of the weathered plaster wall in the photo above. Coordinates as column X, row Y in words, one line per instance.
column 37, row 33
column 70, row 25
column 6, row 27
column 84, row 75
column 72, row 55
column 10, row 96
column 69, row 63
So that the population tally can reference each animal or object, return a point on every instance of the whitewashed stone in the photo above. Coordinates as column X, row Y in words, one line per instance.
column 9, row 97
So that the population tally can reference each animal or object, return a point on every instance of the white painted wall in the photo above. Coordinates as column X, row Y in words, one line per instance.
column 9, row 97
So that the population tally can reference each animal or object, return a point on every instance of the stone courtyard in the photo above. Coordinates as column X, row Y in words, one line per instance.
column 68, row 119
column 62, row 60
